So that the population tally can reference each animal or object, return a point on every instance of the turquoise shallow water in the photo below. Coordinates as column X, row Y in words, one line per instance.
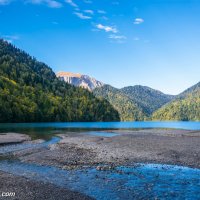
column 145, row 181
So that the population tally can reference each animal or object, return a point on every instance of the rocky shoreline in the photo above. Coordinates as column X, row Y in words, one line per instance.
column 176, row 147
column 77, row 150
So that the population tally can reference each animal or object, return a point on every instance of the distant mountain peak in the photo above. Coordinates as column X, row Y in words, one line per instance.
column 68, row 74
column 80, row 80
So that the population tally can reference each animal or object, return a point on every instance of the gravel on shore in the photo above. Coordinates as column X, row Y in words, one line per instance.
column 13, row 138
column 33, row 190
column 177, row 147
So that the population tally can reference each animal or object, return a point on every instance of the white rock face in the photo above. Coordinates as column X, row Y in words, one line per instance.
column 79, row 80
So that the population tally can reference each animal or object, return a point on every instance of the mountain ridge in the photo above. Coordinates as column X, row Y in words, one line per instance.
column 185, row 107
column 189, row 90
column 31, row 92
column 126, row 108
column 139, row 102
column 133, row 103
column 147, row 98
column 130, row 104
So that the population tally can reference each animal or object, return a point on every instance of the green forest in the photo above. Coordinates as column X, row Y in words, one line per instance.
column 148, row 99
column 127, row 108
column 186, row 107
column 138, row 103
column 30, row 92
column 134, row 103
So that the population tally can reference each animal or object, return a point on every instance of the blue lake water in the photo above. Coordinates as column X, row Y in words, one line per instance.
column 46, row 130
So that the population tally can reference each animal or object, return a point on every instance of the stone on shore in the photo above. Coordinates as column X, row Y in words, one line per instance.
column 12, row 138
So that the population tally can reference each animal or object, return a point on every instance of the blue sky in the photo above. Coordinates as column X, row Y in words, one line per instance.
column 120, row 42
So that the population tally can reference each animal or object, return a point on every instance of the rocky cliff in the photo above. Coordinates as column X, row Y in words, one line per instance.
column 79, row 80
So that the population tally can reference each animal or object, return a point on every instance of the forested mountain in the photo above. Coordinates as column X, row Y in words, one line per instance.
column 195, row 88
column 128, row 110
column 136, row 103
column 147, row 98
column 31, row 92
column 133, row 102
column 186, row 107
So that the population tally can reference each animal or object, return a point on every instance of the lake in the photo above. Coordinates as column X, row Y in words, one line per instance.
column 46, row 130
column 107, row 125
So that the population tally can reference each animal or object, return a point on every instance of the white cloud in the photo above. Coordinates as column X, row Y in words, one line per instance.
column 138, row 21
column 117, row 37
column 54, row 4
column 82, row 16
column 101, row 11
column 70, row 2
column 49, row 3
column 89, row 11
column 107, row 28
column 13, row 37
column 4, row 2
column 10, row 38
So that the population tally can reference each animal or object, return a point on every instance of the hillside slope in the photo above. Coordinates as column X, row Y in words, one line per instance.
column 186, row 107
column 127, row 109
column 192, row 90
column 31, row 92
column 147, row 98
